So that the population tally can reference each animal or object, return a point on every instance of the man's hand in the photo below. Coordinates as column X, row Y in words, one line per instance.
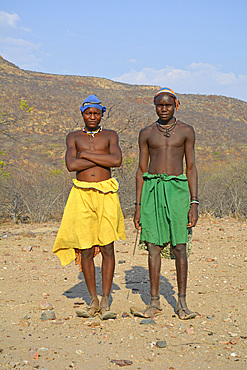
column 83, row 154
column 137, row 218
column 79, row 155
column 193, row 215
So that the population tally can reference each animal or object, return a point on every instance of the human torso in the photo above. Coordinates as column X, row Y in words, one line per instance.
column 99, row 144
column 166, row 153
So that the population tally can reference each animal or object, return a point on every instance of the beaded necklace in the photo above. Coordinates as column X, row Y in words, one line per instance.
column 92, row 133
column 167, row 129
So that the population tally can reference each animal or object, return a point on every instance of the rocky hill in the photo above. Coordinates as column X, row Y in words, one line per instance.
column 220, row 122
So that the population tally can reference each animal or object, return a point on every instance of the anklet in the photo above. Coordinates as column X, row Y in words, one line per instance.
column 155, row 297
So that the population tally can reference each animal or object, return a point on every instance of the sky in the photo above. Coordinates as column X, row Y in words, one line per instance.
column 191, row 46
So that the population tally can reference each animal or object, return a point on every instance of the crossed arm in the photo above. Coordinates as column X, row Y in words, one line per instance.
column 88, row 159
column 113, row 159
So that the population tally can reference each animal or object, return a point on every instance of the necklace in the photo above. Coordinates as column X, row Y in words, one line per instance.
column 167, row 129
column 92, row 133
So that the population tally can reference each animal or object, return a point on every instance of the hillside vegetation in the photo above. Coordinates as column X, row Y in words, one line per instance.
column 38, row 110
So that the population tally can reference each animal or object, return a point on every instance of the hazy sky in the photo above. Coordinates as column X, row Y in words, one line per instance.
column 192, row 46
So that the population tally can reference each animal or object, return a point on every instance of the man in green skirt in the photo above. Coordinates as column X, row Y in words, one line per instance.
column 166, row 199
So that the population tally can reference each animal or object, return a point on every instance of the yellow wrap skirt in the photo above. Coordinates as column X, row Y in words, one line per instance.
column 92, row 217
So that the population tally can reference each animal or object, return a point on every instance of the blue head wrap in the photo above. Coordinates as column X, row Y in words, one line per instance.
column 92, row 102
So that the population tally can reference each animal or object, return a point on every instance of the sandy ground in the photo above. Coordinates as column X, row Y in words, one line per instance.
column 31, row 274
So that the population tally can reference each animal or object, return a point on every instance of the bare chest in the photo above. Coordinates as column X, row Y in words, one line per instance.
column 97, row 143
column 162, row 138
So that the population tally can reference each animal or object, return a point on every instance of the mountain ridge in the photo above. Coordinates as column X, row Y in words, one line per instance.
column 220, row 122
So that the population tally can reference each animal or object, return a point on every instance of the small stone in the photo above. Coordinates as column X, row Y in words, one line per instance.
column 44, row 305
column 33, row 353
column 190, row 331
column 29, row 234
column 209, row 259
column 122, row 362
column 125, row 314
column 161, row 343
column 78, row 304
column 227, row 319
column 209, row 317
column 121, row 261
column 147, row 322
column 233, row 341
column 24, row 323
column 233, row 334
column 135, row 290
column 27, row 248
column 48, row 315
column 59, row 322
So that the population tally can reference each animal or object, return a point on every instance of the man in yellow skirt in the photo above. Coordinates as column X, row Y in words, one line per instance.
column 92, row 218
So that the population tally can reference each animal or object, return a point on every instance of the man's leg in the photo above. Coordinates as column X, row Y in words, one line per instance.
column 107, row 269
column 154, row 266
column 182, row 272
column 88, row 269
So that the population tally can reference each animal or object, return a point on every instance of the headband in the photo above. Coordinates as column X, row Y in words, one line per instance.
column 166, row 90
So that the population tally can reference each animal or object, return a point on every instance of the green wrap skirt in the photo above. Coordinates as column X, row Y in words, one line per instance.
column 164, row 211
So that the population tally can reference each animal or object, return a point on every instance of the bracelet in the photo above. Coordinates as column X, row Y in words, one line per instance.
column 194, row 201
column 137, row 204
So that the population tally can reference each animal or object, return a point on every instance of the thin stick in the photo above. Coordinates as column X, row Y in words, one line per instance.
column 137, row 234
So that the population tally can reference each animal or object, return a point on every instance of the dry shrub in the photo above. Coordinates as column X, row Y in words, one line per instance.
column 223, row 190
column 34, row 197
column 126, row 176
column 40, row 195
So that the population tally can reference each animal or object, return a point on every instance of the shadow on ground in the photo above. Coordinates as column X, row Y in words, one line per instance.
column 137, row 279
column 80, row 290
